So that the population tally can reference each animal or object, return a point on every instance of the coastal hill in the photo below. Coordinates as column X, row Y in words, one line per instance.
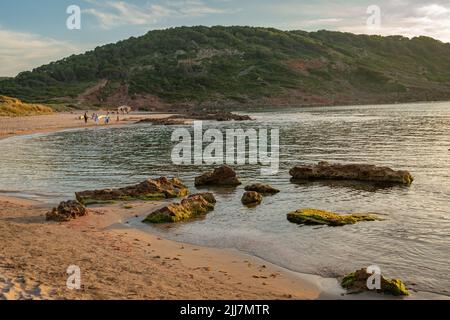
column 242, row 66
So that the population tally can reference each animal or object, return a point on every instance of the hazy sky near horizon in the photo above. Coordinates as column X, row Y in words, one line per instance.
column 34, row 32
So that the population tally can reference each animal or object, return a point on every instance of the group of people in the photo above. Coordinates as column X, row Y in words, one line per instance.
column 96, row 118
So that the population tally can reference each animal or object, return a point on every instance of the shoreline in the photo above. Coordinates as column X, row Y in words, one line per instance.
column 36, row 254
column 60, row 121
column 240, row 275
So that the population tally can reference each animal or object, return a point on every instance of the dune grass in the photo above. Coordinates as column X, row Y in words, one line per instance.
column 12, row 107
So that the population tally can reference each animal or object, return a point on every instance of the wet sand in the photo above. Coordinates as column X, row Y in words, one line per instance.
column 117, row 262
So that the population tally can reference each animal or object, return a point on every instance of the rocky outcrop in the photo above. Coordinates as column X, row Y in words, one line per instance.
column 223, row 176
column 320, row 217
column 359, row 172
column 67, row 211
column 214, row 116
column 163, row 121
column 194, row 206
column 356, row 282
column 252, row 198
column 162, row 188
column 262, row 188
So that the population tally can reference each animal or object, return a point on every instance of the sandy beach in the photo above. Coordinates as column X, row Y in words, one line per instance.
column 117, row 262
column 121, row 263
column 10, row 126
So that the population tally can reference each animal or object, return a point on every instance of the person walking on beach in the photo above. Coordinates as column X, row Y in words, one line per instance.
column 86, row 118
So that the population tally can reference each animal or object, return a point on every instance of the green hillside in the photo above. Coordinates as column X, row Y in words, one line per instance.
column 243, row 66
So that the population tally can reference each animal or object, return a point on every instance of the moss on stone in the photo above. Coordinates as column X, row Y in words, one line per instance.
column 321, row 217
column 356, row 282
column 395, row 287
column 348, row 280
column 191, row 207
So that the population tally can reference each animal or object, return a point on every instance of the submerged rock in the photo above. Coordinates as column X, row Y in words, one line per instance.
column 359, row 172
column 356, row 282
column 162, row 188
column 215, row 116
column 223, row 176
column 191, row 207
column 251, row 198
column 262, row 188
column 320, row 217
column 67, row 211
column 163, row 121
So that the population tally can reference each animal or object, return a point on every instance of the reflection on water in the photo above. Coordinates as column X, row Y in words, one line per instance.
column 413, row 243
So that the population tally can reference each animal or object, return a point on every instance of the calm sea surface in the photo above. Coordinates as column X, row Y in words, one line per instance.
column 413, row 243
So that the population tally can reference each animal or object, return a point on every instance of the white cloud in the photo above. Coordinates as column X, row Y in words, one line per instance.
column 21, row 51
column 119, row 13
column 410, row 21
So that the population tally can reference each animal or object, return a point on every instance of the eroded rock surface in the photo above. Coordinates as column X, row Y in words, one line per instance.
column 66, row 211
column 223, row 176
column 162, row 188
column 358, row 172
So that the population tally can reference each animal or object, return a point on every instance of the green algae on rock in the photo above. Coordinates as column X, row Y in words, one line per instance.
column 194, row 206
column 321, row 217
column 162, row 188
column 356, row 282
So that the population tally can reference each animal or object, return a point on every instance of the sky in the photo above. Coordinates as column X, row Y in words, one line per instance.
column 33, row 32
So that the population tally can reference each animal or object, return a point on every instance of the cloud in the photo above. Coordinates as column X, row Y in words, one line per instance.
column 409, row 18
column 119, row 13
column 24, row 51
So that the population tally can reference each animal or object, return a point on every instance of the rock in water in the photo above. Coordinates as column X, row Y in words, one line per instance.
column 223, row 176
column 320, row 217
column 356, row 282
column 67, row 211
column 262, row 188
column 162, row 188
column 191, row 207
column 359, row 172
column 251, row 198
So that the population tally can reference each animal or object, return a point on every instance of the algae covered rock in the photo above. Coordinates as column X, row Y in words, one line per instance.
column 162, row 188
column 356, row 282
column 357, row 172
column 67, row 211
column 223, row 176
column 321, row 217
column 262, row 188
column 251, row 198
column 194, row 206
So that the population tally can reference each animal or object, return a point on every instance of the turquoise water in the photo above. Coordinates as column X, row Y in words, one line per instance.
column 413, row 243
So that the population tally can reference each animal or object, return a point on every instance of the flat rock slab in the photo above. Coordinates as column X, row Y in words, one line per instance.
column 162, row 188
column 262, row 188
column 357, row 172
column 321, row 217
